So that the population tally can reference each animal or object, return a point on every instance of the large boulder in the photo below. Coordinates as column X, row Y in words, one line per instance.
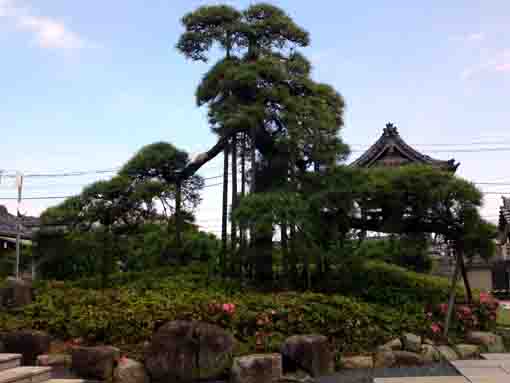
column 296, row 377
column 95, row 362
column 468, row 351
column 311, row 353
column 258, row 368
column 430, row 353
column 408, row 359
column 28, row 343
column 351, row 362
column 384, row 358
column 488, row 341
column 395, row 344
column 16, row 293
column 447, row 353
column 130, row 371
column 411, row 342
column 184, row 351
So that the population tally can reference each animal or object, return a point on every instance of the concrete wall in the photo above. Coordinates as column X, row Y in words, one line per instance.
column 480, row 279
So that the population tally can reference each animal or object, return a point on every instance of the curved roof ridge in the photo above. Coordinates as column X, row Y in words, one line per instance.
column 391, row 140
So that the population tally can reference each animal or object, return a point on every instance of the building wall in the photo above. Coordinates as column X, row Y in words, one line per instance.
column 480, row 279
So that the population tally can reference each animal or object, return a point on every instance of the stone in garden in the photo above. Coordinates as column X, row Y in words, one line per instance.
column 311, row 353
column 296, row 377
column 429, row 342
column 411, row 342
column 54, row 360
column 384, row 359
column 28, row 343
column 468, row 351
column 408, row 359
column 395, row 344
column 447, row 353
column 95, row 362
column 258, row 368
column 430, row 353
column 130, row 371
column 184, row 351
column 357, row 362
column 17, row 293
column 489, row 341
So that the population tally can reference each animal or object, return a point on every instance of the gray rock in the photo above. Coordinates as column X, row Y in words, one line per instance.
column 297, row 377
column 468, row 351
column 447, row 353
column 408, row 359
column 395, row 344
column 488, row 341
column 184, row 351
column 430, row 353
column 411, row 342
column 16, row 293
column 357, row 362
column 28, row 343
column 258, row 368
column 95, row 362
column 49, row 360
column 130, row 371
column 384, row 359
column 311, row 353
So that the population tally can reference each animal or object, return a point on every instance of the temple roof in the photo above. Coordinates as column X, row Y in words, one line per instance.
column 504, row 211
column 391, row 150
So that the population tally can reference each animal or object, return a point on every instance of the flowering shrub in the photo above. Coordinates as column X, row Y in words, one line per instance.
column 478, row 316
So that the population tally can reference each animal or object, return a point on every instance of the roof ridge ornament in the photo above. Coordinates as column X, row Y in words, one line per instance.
column 390, row 130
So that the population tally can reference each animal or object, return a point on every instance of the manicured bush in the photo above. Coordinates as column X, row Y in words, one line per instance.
column 383, row 283
column 408, row 251
column 130, row 313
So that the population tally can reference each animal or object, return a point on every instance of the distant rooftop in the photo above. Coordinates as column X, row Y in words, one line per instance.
column 391, row 150
column 8, row 224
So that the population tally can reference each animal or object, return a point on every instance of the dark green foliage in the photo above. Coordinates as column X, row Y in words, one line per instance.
column 409, row 251
column 383, row 283
column 143, row 301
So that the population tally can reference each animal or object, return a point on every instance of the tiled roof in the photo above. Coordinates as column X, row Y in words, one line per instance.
column 8, row 224
column 505, row 211
column 391, row 142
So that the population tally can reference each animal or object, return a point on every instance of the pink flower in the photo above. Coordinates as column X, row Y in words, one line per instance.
column 229, row 308
column 436, row 328
column 443, row 307
column 484, row 297
column 429, row 315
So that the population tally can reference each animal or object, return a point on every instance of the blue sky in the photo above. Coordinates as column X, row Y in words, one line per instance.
column 85, row 84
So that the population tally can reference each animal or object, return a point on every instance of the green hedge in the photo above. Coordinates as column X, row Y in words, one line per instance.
column 383, row 283
column 130, row 314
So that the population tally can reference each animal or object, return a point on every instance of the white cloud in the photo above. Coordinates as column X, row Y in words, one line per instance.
column 48, row 32
column 498, row 62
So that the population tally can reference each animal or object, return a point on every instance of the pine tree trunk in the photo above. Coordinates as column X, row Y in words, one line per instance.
column 224, row 213
column 178, row 223
column 243, row 190
column 285, row 252
column 467, row 285
column 233, row 235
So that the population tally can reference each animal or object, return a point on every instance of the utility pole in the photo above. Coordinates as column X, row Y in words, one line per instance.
column 19, row 185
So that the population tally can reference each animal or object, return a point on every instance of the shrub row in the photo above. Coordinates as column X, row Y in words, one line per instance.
column 383, row 283
column 129, row 315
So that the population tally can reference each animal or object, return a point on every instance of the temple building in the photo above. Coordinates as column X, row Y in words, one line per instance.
column 391, row 150
column 504, row 230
